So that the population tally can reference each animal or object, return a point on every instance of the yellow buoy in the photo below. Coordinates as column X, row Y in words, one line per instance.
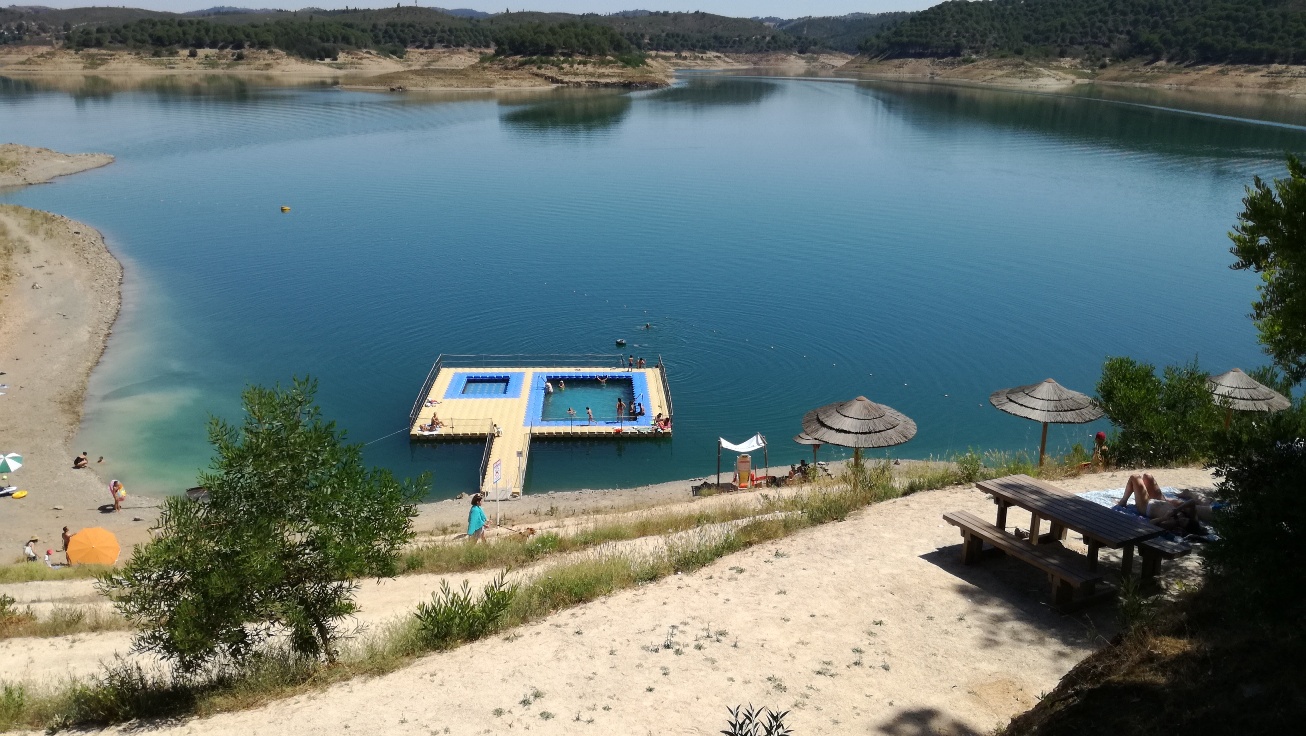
column 285, row 208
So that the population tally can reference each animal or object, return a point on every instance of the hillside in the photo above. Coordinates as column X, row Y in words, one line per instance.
column 1208, row 31
column 844, row 33
column 313, row 33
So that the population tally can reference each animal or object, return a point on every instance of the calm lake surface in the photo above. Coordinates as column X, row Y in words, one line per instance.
column 792, row 242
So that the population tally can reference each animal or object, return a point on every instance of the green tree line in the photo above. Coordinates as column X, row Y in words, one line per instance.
column 1239, row 31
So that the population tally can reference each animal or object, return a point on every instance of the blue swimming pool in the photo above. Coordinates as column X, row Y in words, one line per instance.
column 578, row 393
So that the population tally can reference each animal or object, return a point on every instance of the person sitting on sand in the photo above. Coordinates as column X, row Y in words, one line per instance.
column 476, row 521
column 28, row 551
column 81, row 461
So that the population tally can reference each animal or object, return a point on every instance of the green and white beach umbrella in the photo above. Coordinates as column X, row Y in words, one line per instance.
column 11, row 462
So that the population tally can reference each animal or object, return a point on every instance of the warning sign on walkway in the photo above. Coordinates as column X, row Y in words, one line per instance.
column 498, row 471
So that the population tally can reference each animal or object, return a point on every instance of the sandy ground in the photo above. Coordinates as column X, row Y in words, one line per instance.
column 1063, row 73
column 23, row 165
column 60, row 296
column 944, row 648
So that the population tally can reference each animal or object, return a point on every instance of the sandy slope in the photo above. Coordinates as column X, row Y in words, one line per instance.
column 1063, row 73
column 59, row 296
column 944, row 648
column 21, row 165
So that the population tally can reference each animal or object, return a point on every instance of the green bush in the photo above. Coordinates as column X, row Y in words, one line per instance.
column 970, row 467
column 454, row 617
column 1164, row 420
column 1261, row 556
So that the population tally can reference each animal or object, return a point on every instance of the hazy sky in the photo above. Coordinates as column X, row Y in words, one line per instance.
column 743, row 8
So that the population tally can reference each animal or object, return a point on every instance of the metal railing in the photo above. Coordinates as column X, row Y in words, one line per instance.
column 485, row 457
column 666, row 387
column 534, row 360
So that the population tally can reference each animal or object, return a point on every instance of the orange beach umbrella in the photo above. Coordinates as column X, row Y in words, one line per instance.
column 94, row 546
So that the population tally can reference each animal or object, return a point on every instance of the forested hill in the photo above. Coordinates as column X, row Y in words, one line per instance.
column 315, row 33
column 393, row 29
column 1240, row 31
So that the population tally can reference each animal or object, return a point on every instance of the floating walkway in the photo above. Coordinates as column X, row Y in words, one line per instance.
column 508, row 400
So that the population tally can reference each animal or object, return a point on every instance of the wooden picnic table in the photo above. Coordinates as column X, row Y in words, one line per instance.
column 1100, row 526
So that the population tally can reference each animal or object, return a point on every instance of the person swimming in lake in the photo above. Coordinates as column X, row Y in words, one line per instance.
column 603, row 380
column 562, row 385
column 548, row 388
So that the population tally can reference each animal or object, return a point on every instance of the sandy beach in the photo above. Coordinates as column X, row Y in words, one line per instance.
column 60, row 295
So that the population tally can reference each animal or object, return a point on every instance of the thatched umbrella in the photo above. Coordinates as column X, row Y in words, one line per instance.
column 1237, row 390
column 859, row 424
column 1048, row 402
column 802, row 439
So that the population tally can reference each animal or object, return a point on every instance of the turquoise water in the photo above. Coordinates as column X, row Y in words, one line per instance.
column 792, row 243
column 581, row 394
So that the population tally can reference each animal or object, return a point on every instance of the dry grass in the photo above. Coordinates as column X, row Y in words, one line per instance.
column 61, row 621
column 27, row 572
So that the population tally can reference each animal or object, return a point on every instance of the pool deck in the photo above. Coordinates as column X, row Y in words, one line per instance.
column 507, row 421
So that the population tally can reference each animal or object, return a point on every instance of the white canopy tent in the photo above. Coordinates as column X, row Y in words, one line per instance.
column 756, row 442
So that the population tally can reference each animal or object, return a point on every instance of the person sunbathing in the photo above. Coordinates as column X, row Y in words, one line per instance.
column 1171, row 514
column 433, row 426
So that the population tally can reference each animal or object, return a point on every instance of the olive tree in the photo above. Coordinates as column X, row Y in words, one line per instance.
column 1270, row 239
column 293, row 519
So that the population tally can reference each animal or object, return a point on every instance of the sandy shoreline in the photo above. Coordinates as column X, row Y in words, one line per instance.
column 61, row 294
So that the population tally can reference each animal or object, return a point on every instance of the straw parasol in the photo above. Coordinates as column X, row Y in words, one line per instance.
column 859, row 424
column 94, row 546
column 1048, row 402
column 802, row 439
column 1237, row 390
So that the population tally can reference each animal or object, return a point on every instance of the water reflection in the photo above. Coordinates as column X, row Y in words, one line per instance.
column 716, row 90
column 1155, row 129
column 570, row 110
column 235, row 87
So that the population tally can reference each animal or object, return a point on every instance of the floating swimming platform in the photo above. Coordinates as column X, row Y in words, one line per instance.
column 500, row 400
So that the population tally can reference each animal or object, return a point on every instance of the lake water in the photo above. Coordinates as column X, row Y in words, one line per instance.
column 792, row 243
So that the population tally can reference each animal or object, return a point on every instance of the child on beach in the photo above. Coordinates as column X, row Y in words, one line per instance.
column 476, row 521
column 118, row 493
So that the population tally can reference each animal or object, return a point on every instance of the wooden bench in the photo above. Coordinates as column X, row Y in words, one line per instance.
column 1156, row 549
column 1066, row 578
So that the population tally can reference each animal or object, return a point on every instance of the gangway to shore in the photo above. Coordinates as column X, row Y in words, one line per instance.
column 500, row 400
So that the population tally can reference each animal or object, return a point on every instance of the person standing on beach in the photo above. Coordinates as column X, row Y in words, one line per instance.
column 66, row 539
column 118, row 493
column 476, row 521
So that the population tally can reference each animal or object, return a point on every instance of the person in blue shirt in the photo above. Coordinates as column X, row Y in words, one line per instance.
column 476, row 521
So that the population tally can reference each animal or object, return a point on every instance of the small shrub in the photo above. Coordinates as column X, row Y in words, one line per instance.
column 970, row 467
column 746, row 721
column 453, row 617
